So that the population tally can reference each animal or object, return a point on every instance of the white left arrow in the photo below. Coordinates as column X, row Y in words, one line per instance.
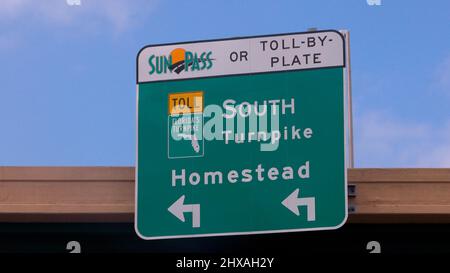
column 179, row 208
column 292, row 202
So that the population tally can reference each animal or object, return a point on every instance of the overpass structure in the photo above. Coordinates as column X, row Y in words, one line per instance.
column 106, row 195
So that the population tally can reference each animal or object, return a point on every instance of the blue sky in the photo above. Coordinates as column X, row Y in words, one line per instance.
column 67, row 73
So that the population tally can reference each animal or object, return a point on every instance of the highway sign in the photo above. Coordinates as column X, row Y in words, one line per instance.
column 241, row 136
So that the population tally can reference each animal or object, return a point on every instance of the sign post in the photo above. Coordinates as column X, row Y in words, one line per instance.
column 241, row 136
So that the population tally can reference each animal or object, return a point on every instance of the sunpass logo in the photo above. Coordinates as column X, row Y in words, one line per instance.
column 180, row 60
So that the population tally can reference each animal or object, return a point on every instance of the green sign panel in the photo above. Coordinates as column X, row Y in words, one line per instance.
column 241, row 136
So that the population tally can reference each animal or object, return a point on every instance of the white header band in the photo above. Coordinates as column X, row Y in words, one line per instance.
column 237, row 56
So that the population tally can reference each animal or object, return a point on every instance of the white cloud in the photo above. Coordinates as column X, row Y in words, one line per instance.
column 118, row 13
column 384, row 140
